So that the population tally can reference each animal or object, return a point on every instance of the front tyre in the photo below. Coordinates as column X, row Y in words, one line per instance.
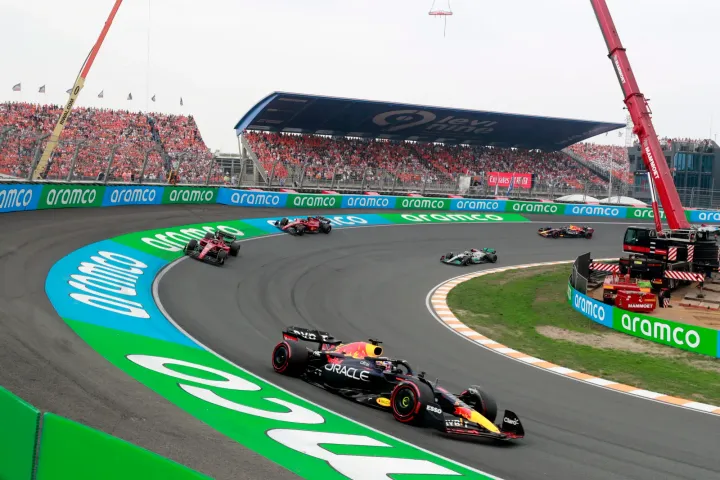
column 222, row 255
column 191, row 246
column 481, row 401
column 409, row 399
column 289, row 358
column 492, row 257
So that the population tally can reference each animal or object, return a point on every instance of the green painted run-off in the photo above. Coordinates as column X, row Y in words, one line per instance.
column 69, row 450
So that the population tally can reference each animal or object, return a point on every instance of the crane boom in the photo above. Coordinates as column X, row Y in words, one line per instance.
column 640, row 113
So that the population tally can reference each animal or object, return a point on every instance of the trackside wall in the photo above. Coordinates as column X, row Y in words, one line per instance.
column 705, row 341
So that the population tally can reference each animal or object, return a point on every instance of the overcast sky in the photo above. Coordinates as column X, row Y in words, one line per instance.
column 222, row 56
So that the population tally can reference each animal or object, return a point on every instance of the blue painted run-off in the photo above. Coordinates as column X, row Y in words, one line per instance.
column 110, row 285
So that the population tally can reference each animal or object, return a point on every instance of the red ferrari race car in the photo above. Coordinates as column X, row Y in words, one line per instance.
column 213, row 248
column 358, row 371
column 569, row 231
column 301, row 226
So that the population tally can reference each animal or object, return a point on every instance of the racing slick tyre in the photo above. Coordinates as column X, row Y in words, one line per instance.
column 191, row 246
column 208, row 236
column 481, row 401
column 300, row 230
column 555, row 235
column 408, row 400
column 289, row 358
column 222, row 255
column 467, row 261
column 588, row 236
column 235, row 248
column 284, row 222
column 325, row 228
column 492, row 257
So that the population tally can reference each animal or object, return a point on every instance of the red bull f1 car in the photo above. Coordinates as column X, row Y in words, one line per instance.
column 358, row 371
column 569, row 231
column 301, row 226
column 213, row 248
column 470, row 257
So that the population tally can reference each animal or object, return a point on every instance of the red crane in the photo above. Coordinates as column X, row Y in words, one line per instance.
column 637, row 105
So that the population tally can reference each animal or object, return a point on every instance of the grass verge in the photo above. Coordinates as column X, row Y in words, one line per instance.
column 527, row 310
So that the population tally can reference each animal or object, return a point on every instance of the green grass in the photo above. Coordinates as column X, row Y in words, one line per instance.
column 510, row 306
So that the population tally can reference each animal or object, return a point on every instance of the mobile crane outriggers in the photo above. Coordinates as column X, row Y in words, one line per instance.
column 654, row 252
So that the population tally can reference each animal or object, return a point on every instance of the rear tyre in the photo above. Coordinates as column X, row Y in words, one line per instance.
column 191, row 246
column 409, row 399
column 289, row 358
column 234, row 248
column 284, row 222
column 208, row 236
column 481, row 401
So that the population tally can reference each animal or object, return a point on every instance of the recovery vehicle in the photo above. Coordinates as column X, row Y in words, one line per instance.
column 684, row 251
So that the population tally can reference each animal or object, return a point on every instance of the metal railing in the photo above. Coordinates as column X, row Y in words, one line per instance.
column 148, row 162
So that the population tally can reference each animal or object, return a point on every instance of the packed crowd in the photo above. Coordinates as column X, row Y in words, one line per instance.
column 167, row 142
column 285, row 155
column 608, row 158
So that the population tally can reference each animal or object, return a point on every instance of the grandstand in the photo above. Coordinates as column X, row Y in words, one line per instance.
column 136, row 146
column 290, row 140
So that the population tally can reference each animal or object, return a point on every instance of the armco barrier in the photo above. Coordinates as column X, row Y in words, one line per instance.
column 18, row 197
column 18, row 433
column 71, row 450
column 705, row 341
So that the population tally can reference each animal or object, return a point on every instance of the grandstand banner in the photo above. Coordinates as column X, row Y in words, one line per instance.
column 308, row 200
column 477, row 205
column 595, row 211
column 135, row 195
column 246, row 198
column 19, row 197
column 502, row 179
column 643, row 213
column 368, row 201
column 422, row 203
column 71, row 196
column 186, row 195
column 534, row 207
column 703, row 215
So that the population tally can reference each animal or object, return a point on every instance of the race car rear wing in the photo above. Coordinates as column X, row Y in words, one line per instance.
column 301, row 333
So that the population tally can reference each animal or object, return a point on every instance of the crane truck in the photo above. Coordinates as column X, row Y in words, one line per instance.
column 683, row 248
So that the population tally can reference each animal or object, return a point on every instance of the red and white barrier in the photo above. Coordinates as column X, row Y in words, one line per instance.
column 604, row 267
column 692, row 277
column 672, row 254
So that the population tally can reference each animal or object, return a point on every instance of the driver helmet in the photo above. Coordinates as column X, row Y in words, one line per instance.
column 384, row 365
column 474, row 250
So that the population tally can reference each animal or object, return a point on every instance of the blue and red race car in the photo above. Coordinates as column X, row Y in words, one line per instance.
column 358, row 371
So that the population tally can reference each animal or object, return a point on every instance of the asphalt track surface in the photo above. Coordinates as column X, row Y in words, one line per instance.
column 372, row 283
column 574, row 430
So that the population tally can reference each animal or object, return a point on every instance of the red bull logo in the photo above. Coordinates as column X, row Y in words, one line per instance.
column 360, row 350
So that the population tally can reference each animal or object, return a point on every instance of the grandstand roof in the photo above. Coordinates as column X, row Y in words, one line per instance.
column 311, row 114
